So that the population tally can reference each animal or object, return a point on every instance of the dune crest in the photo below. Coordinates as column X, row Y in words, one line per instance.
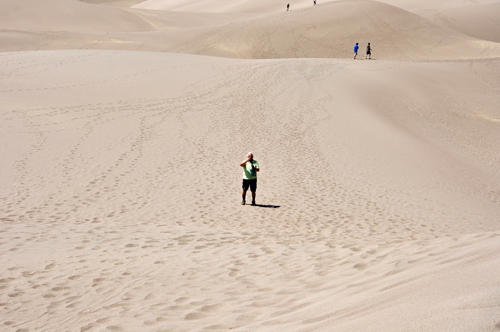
column 330, row 31
column 221, row 6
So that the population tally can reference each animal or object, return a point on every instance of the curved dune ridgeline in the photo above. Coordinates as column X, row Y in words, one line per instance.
column 324, row 31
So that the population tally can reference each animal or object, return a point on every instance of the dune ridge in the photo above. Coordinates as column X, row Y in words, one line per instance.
column 218, row 6
column 325, row 31
column 123, row 129
column 329, row 31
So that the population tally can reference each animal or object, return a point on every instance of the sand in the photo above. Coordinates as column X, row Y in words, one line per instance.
column 123, row 125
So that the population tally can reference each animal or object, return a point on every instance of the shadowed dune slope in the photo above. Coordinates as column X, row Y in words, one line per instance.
column 481, row 21
column 330, row 31
column 68, row 15
column 417, row 6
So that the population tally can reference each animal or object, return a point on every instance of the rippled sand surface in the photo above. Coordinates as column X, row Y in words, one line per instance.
column 123, row 125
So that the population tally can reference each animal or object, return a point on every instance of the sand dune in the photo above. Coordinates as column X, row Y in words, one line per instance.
column 379, row 189
column 120, row 199
column 117, row 3
column 326, row 31
column 481, row 21
column 421, row 6
column 88, row 20
column 68, row 15
column 330, row 31
column 220, row 6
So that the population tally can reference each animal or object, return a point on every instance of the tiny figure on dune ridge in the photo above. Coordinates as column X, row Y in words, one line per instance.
column 287, row 6
column 356, row 48
column 314, row 2
column 250, row 169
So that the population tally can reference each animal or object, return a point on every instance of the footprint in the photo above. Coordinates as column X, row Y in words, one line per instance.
column 194, row 316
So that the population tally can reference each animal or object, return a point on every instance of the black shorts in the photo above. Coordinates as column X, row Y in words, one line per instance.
column 250, row 183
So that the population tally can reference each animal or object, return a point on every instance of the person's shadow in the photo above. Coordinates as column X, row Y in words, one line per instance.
column 267, row 206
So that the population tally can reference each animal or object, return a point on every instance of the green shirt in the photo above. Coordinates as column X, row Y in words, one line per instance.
column 247, row 170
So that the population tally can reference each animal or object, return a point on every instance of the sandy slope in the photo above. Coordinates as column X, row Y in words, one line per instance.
column 117, row 3
column 482, row 21
column 379, row 188
column 58, row 18
column 121, row 204
column 221, row 6
column 328, row 30
column 67, row 15
column 479, row 19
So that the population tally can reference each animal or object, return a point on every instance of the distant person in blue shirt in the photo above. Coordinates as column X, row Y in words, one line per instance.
column 356, row 48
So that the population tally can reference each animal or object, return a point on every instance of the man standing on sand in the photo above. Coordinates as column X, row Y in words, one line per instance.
column 287, row 6
column 356, row 48
column 250, row 169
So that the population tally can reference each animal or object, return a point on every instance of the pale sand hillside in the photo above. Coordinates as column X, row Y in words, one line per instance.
column 222, row 6
column 68, row 15
column 479, row 19
column 326, row 31
column 121, row 193
column 330, row 31
column 419, row 6
column 482, row 21
column 118, row 3
column 71, row 24
column 379, row 188
column 75, row 22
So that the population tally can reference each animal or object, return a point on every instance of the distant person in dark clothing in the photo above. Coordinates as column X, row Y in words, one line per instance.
column 287, row 6
column 368, row 52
